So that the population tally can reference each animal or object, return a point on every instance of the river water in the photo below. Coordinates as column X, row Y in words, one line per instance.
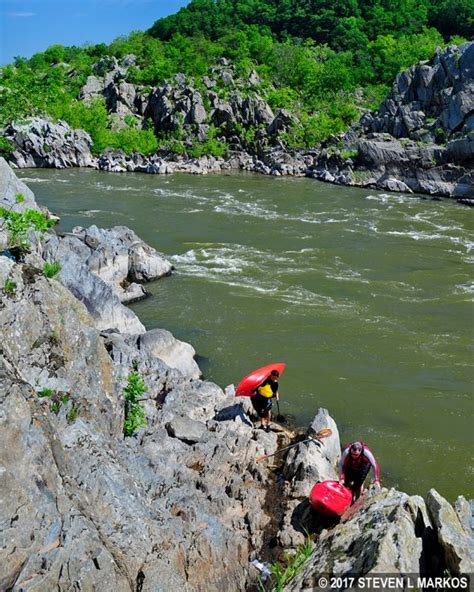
column 367, row 297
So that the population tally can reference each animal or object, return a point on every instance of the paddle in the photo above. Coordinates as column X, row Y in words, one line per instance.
column 323, row 433
column 281, row 418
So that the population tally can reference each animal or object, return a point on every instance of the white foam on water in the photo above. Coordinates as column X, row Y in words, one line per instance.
column 349, row 276
column 92, row 213
column 33, row 180
column 465, row 288
column 104, row 187
column 419, row 217
column 426, row 236
column 387, row 198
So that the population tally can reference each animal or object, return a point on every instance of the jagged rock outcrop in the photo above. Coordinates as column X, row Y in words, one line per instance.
column 44, row 144
column 456, row 540
column 422, row 137
column 115, row 255
column 430, row 99
column 11, row 186
column 384, row 534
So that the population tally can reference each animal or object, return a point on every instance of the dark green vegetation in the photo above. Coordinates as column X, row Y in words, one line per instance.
column 51, row 269
column 134, row 412
column 57, row 400
column 20, row 224
column 284, row 572
column 311, row 56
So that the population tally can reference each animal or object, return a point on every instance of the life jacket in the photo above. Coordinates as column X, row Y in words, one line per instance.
column 265, row 391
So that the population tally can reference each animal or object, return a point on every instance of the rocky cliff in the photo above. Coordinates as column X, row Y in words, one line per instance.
column 421, row 139
column 182, row 505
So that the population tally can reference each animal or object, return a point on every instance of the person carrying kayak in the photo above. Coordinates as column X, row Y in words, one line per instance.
column 356, row 461
column 262, row 400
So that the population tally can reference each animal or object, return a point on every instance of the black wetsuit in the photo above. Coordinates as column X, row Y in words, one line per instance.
column 261, row 404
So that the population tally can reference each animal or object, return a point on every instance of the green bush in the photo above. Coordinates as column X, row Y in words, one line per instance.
column 51, row 269
column 72, row 414
column 9, row 287
column 19, row 224
column 6, row 147
column 282, row 574
column 134, row 411
column 46, row 392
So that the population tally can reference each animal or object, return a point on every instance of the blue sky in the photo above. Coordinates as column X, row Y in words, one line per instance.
column 30, row 26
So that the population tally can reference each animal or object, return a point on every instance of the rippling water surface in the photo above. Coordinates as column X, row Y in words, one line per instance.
column 367, row 296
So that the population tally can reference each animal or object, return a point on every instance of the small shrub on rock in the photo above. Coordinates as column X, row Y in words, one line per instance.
column 51, row 269
column 9, row 287
column 134, row 411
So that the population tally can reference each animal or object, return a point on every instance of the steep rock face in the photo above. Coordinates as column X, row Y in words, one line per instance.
column 177, row 507
column 456, row 540
column 10, row 188
column 422, row 137
column 115, row 255
column 428, row 98
column 82, row 505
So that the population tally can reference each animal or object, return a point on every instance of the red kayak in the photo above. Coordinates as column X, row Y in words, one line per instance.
column 249, row 383
column 330, row 498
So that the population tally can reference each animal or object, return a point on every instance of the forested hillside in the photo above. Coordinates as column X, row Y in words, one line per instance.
column 322, row 61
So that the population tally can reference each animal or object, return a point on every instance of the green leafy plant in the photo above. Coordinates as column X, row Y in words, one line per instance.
column 6, row 147
column 46, row 392
column 19, row 224
column 72, row 414
column 9, row 287
column 134, row 411
column 283, row 574
column 55, row 407
column 51, row 269
column 347, row 154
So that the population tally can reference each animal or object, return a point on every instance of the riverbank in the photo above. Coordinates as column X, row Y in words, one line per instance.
column 420, row 140
column 184, row 503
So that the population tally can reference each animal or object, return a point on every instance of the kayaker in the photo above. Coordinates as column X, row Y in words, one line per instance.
column 356, row 461
column 263, row 399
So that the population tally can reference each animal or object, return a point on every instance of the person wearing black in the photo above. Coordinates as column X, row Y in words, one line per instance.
column 263, row 399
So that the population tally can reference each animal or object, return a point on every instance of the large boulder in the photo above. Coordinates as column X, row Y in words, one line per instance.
column 456, row 541
column 117, row 256
column 42, row 143
column 313, row 461
column 161, row 344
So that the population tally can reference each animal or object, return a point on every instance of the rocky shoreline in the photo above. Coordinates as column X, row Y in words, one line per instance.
column 183, row 505
column 420, row 140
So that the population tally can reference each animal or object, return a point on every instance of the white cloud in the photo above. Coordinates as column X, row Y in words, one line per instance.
column 21, row 14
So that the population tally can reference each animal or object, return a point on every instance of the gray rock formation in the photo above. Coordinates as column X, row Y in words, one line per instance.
column 422, row 136
column 178, row 507
column 429, row 96
column 420, row 140
column 161, row 344
column 381, row 535
column 10, row 186
column 44, row 144
column 457, row 541
column 102, row 268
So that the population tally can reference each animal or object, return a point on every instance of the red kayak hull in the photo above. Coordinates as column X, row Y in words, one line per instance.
column 330, row 498
column 249, row 383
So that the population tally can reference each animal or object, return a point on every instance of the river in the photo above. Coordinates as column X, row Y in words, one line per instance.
column 367, row 296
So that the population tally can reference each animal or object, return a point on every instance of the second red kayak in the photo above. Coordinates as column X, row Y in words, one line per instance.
column 330, row 498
